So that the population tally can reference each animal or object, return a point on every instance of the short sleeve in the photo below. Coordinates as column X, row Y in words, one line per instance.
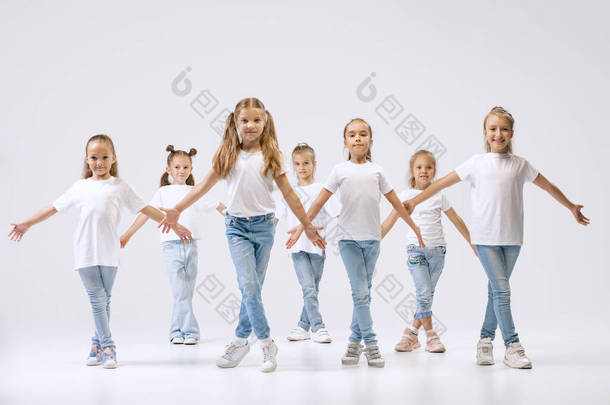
column 466, row 169
column 404, row 195
column 384, row 184
column 155, row 201
column 283, row 165
column 205, row 205
column 130, row 200
column 332, row 182
column 445, row 204
column 528, row 173
column 333, row 206
column 68, row 198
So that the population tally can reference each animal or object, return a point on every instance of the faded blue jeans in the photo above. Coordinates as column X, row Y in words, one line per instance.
column 359, row 258
column 426, row 265
column 309, row 268
column 98, row 281
column 498, row 262
column 250, row 241
column 181, row 266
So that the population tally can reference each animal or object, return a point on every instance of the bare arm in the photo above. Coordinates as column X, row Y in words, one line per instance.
column 137, row 224
column 556, row 193
column 444, row 182
column 314, row 209
column 156, row 215
column 459, row 224
column 389, row 222
column 402, row 211
column 172, row 214
column 221, row 208
column 21, row 228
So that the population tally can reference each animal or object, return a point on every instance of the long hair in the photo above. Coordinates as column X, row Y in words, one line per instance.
column 190, row 180
column 500, row 112
column 304, row 147
column 421, row 152
column 369, row 156
column 114, row 169
column 230, row 147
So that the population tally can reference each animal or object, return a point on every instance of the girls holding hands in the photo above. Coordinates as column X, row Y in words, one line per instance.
column 250, row 160
column 360, row 183
column 99, row 197
column 425, row 263
column 496, row 179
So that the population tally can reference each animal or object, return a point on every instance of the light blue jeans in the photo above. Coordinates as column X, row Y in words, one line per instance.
column 359, row 258
column 498, row 262
column 250, row 241
column 98, row 281
column 181, row 266
column 426, row 265
column 309, row 268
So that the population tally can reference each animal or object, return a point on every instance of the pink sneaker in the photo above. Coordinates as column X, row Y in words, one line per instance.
column 408, row 342
column 434, row 344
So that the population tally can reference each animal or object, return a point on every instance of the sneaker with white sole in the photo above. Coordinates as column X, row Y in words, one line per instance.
column 178, row 340
column 297, row 334
column 269, row 352
column 407, row 343
column 485, row 352
column 109, row 358
column 233, row 354
column 373, row 356
column 352, row 354
column 95, row 356
column 191, row 341
column 434, row 344
column 515, row 356
column 321, row 336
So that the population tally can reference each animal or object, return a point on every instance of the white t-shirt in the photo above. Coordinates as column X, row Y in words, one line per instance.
column 248, row 191
column 96, row 239
column 360, row 188
column 496, row 181
column 427, row 216
column 169, row 196
column 307, row 195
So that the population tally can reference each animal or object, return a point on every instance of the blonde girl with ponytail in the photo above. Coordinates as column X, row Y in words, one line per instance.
column 250, row 161
column 180, row 258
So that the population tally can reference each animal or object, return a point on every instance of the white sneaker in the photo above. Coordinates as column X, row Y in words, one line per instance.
column 297, row 334
column 191, row 341
column 485, row 352
column 269, row 353
column 515, row 356
column 233, row 354
column 178, row 340
column 95, row 357
column 321, row 336
column 109, row 358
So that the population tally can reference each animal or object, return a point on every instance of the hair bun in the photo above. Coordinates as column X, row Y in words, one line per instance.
column 192, row 152
column 170, row 148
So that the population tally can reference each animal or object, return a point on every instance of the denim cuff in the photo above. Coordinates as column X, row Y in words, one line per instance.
column 420, row 315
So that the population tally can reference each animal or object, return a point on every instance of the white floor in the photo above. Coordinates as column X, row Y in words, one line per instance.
column 308, row 373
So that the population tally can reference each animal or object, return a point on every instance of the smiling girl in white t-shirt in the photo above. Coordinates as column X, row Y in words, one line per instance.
column 100, row 197
column 496, row 179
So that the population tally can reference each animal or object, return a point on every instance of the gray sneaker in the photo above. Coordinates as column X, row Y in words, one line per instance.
column 373, row 356
column 233, row 355
column 515, row 356
column 485, row 352
column 352, row 355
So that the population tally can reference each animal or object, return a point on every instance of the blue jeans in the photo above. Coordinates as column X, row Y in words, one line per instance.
column 309, row 268
column 250, row 241
column 426, row 265
column 498, row 262
column 98, row 281
column 181, row 266
column 359, row 258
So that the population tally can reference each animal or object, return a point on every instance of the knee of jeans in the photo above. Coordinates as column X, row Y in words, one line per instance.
column 503, row 293
column 361, row 296
column 309, row 292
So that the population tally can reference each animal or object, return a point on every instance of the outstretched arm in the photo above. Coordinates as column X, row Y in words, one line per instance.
column 19, row 229
column 556, row 193
column 314, row 209
column 402, row 211
column 444, row 182
column 172, row 214
column 137, row 224
column 156, row 215
column 389, row 222
column 459, row 224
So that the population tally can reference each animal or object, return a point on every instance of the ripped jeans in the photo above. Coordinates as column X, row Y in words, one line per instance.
column 426, row 265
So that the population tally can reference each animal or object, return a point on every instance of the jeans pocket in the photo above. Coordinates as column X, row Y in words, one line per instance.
column 417, row 259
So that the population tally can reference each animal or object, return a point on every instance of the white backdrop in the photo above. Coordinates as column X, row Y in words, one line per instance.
column 71, row 70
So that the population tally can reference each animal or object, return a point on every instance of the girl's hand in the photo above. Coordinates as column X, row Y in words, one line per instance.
column 17, row 232
column 580, row 218
column 409, row 206
column 124, row 239
column 170, row 219
column 184, row 234
column 294, row 233
column 419, row 238
column 314, row 236
column 474, row 250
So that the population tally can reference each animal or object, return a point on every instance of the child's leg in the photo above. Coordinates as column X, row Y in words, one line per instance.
column 98, row 283
column 190, row 326
column 174, row 265
column 436, row 262
column 371, row 254
column 317, row 265
column 498, row 263
column 303, row 270
column 490, row 323
column 419, row 268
